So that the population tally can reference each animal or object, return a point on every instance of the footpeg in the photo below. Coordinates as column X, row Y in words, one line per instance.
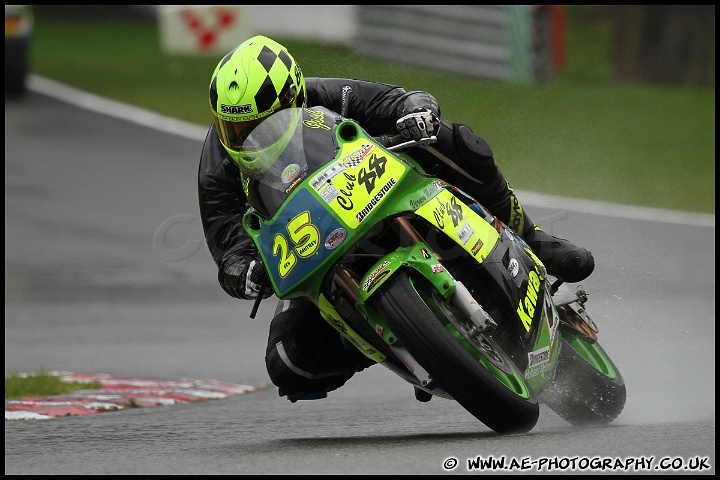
column 573, row 315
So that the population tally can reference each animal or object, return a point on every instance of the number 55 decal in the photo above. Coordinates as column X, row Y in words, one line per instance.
column 304, row 235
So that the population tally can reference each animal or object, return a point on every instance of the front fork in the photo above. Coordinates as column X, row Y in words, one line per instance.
column 428, row 265
column 460, row 296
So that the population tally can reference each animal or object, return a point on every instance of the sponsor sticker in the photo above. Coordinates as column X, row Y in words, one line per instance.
column 476, row 248
column 290, row 173
column 537, row 357
column 513, row 267
column 437, row 268
column 327, row 174
column 373, row 274
column 335, row 238
column 360, row 216
column 356, row 157
column 465, row 232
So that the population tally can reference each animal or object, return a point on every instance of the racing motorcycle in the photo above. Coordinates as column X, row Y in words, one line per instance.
column 420, row 277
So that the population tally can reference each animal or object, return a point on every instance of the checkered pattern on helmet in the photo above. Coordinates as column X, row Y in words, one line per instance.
column 278, row 66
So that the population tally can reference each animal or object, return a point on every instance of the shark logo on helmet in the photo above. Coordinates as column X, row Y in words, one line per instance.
column 236, row 109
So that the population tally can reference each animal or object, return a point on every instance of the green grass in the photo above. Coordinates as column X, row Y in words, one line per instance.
column 579, row 135
column 42, row 384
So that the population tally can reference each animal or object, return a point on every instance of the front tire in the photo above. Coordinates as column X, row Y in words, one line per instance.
column 405, row 302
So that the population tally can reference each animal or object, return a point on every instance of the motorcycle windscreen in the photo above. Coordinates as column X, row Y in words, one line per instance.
column 276, row 157
column 272, row 160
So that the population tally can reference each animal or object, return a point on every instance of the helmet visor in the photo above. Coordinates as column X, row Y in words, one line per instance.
column 233, row 134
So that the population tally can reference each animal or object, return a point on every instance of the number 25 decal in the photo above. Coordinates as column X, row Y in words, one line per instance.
column 305, row 237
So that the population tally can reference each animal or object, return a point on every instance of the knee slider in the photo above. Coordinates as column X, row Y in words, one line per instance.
column 304, row 353
column 296, row 375
column 473, row 146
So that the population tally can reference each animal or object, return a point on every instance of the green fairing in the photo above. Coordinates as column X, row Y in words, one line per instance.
column 415, row 275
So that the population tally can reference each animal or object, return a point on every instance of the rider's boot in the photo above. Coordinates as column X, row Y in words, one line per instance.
column 561, row 258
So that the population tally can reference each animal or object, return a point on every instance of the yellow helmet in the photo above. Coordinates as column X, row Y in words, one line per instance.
column 254, row 80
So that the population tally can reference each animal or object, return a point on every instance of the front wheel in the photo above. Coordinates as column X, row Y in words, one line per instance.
column 423, row 323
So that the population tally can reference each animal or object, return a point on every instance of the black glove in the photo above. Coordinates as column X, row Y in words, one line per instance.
column 241, row 277
column 419, row 124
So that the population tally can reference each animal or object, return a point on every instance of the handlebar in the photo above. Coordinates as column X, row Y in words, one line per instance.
column 398, row 142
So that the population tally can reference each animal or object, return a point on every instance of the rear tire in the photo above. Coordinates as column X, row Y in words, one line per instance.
column 581, row 394
column 432, row 340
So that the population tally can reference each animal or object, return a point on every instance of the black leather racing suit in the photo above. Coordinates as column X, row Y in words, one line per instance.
column 305, row 356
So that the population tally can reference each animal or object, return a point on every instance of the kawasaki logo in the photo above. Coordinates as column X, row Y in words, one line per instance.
column 526, row 307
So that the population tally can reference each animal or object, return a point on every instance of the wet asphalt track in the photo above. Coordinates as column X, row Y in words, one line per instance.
column 106, row 272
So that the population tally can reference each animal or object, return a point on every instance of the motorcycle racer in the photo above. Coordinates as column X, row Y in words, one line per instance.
column 305, row 356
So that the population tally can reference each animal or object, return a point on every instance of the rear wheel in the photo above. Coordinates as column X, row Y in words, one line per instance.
column 588, row 389
column 473, row 370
